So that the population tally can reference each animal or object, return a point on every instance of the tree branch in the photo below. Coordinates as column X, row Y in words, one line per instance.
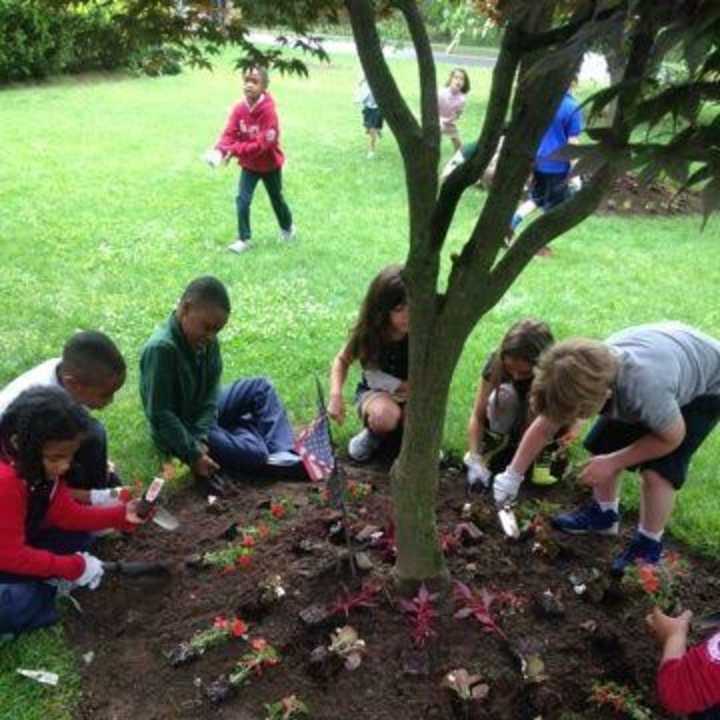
column 394, row 108
column 469, row 172
column 545, row 229
column 426, row 67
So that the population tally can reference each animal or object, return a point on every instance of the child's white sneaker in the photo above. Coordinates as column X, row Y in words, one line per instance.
column 287, row 235
column 363, row 445
column 239, row 246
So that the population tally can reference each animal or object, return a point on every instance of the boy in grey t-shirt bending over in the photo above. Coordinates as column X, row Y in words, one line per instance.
column 657, row 391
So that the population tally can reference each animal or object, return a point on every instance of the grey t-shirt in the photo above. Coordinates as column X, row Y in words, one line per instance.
column 663, row 367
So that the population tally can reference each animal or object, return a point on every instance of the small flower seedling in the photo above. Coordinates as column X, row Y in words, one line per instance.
column 289, row 708
column 465, row 686
column 347, row 644
column 477, row 604
column 421, row 614
column 261, row 656
column 347, row 601
column 619, row 699
column 658, row 583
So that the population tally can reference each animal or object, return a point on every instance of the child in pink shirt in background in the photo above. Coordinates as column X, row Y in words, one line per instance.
column 451, row 103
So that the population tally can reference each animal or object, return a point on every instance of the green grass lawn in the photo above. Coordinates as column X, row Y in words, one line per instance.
column 106, row 212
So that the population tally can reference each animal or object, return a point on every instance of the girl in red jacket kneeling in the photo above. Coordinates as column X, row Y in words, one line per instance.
column 44, row 532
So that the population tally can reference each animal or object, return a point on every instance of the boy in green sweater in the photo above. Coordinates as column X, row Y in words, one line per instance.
column 243, row 427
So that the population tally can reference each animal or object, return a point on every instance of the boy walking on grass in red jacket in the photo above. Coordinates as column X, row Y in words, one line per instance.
column 252, row 135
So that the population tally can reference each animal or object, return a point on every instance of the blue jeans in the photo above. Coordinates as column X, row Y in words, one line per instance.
column 252, row 424
column 273, row 184
column 27, row 603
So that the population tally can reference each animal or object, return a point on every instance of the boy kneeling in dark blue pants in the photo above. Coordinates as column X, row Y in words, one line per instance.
column 243, row 428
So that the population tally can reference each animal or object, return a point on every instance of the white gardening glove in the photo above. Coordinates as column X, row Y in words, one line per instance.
column 92, row 575
column 506, row 486
column 213, row 158
column 476, row 470
column 103, row 497
column 575, row 183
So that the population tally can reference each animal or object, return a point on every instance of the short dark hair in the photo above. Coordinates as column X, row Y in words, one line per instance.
column 92, row 356
column 39, row 415
column 207, row 290
column 261, row 71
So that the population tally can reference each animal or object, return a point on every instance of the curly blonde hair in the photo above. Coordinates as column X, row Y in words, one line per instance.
column 572, row 380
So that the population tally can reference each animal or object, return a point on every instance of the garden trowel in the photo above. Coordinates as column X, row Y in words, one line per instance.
column 136, row 568
column 165, row 519
column 508, row 521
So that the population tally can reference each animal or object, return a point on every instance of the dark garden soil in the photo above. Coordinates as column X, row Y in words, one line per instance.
column 628, row 196
column 568, row 641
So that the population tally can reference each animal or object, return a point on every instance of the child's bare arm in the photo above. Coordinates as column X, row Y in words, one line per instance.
column 670, row 632
column 338, row 376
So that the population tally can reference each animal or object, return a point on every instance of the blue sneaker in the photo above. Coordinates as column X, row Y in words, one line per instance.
column 588, row 519
column 641, row 549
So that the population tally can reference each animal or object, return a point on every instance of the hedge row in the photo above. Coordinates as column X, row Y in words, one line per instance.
column 37, row 41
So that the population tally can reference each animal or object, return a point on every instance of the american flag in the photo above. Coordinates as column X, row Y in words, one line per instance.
column 314, row 447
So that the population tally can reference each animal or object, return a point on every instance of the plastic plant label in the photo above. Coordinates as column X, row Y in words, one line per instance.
column 41, row 676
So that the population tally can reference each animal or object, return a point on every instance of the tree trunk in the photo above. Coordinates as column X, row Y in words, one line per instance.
column 415, row 473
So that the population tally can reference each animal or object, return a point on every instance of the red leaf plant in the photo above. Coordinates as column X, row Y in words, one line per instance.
column 449, row 542
column 347, row 601
column 477, row 604
column 386, row 544
column 421, row 615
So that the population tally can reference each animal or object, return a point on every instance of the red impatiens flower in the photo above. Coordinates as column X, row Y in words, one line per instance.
column 263, row 531
column 648, row 579
column 258, row 644
column 244, row 562
column 238, row 628
column 277, row 510
column 248, row 541
column 227, row 569
column 221, row 623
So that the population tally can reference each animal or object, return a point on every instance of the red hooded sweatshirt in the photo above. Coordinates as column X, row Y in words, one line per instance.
column 18, row 557
column 252, row 135
column 691, row 684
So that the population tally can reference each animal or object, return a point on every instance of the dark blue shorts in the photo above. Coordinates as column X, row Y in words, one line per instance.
column 700, row 416
column 549, row 189
column 372, row 118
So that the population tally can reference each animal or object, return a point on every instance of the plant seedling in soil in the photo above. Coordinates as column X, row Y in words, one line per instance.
column 657, row 583
column 221, row 631
column 619, row 699
column 348, row 601
column 347, row 644
column 477, row 604
column 289, row 708
column 466, row 691
column 229, row 558
column 262, row 655
column 421, row 614
column 357, row 491
column 465, row 686
column 385, row 543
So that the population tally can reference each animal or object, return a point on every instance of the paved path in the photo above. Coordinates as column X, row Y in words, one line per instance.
column 347, row 47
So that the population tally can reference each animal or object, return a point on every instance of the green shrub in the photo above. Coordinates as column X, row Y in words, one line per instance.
column 34, row 41
column 97, row 43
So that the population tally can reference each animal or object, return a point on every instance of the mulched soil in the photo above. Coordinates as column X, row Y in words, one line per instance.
column 131, row 624
column 628, row 196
